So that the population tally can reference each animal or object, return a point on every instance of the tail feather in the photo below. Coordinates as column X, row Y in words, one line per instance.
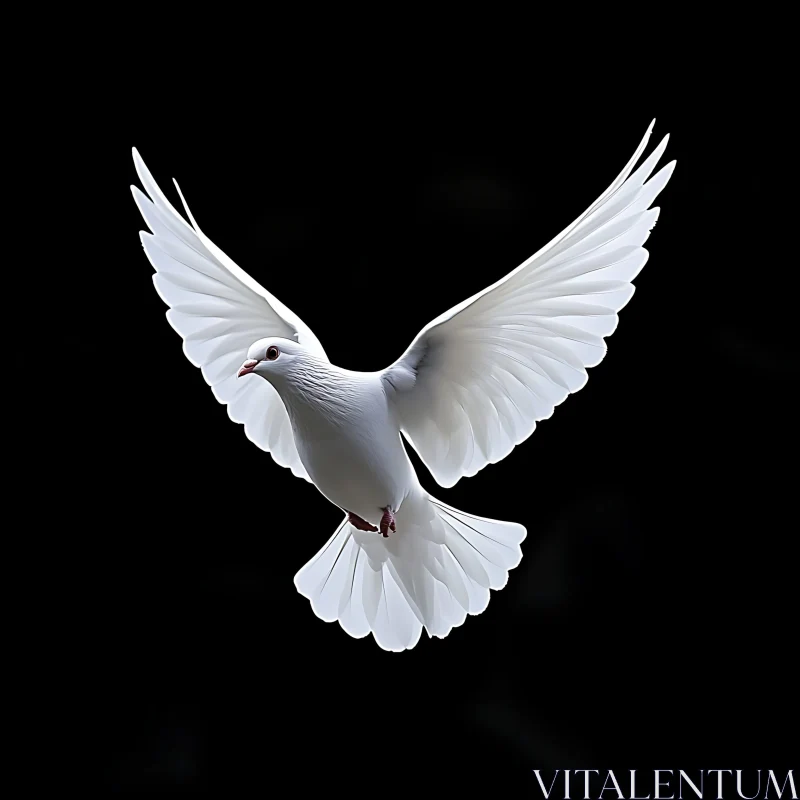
column 436, row 569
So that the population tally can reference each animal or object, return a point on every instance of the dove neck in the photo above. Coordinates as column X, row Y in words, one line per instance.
column 319, row 388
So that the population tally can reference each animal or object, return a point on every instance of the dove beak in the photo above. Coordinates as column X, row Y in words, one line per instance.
column 247, row 368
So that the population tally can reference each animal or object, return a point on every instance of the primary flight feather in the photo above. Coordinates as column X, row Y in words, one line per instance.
column 470, row 387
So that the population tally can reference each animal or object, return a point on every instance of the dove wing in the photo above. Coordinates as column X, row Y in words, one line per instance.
column 219, row 311
column 476, row 380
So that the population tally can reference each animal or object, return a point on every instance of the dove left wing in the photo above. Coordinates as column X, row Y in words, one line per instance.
column 475, row 381
column 219, row 311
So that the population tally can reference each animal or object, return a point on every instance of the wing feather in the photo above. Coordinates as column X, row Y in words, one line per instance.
column 219, row 311
column 476, row 380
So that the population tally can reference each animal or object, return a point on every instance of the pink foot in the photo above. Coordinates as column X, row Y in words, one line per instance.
column 359, row 523
column 387, row 522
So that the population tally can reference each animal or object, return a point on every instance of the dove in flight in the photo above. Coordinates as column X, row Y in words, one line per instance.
column 471, row 386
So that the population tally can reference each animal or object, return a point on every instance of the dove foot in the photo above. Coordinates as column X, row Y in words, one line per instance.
column 387, row 522
column 359, row 523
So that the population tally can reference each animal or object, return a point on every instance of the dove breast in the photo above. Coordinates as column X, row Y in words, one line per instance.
column 348, row 438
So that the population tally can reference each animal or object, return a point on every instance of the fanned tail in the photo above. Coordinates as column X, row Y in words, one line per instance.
column 438, row 567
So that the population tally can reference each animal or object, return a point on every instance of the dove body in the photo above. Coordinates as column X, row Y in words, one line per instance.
column 347, row 435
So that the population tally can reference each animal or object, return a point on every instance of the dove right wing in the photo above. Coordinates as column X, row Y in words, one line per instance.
column 219, row 311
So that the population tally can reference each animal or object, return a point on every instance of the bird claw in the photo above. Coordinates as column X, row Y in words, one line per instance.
column 360, row 524
column 387, row 522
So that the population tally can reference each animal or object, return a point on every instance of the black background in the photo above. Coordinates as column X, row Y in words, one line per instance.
column 651, row 619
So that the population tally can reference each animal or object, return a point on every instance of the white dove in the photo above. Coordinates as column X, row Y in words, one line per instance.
column 471, row 387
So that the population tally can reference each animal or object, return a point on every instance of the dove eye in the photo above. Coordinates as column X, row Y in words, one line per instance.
column 272, row 353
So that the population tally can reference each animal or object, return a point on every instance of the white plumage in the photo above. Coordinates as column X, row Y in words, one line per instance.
column 472, row 385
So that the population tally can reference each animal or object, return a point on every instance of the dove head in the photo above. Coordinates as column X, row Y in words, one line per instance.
column 301, row 375
column 273, row 357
